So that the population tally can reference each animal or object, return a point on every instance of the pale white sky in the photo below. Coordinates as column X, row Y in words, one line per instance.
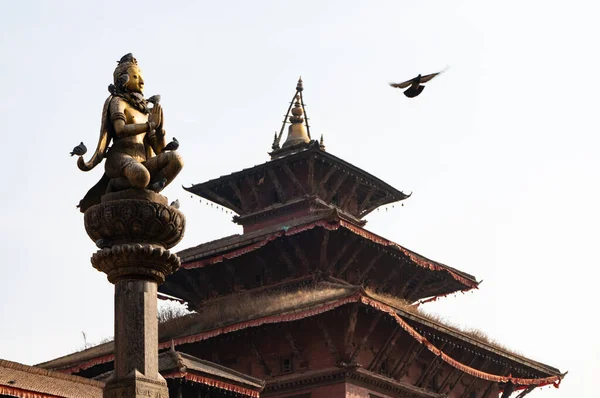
column 500, row 152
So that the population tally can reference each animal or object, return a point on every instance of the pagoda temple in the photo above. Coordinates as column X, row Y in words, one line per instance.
column 307, row 303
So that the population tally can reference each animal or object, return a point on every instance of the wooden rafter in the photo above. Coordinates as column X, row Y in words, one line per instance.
column 193, row 283
column 400, row 362
column 230, row 271
column 265, row 266
column 461, row 375
column 336, row 186
column 298, row 353
column 330, row 344
column 311, row 174
column 221, row 200
column 252, row 186
column 474, row 380
column 294, row 179
column 385, row 350
column 349, row 333
column 286, row 258
column 323, row 254
column 349, row 195
column 369, row 267
column 364, row 339
column 415, row 290
column 407, row 283
column 384, row 284
column 400, row 373
column 325, row 179
column 340, row 253
column 300, row 254
column 350, row 260
column 366, row 200
column 505, row 371
column 431, row 369
column 277, row 184
column 260, row 359
column 238, row 194
column 453, row 373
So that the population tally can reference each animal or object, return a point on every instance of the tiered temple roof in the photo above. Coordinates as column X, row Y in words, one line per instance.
column 310, row 301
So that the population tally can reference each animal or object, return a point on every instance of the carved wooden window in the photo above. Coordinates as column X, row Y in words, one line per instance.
column 287, row 364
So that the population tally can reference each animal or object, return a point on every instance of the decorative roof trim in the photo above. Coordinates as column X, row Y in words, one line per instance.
column 213, row 383
column 17, row 392
column 332, row 226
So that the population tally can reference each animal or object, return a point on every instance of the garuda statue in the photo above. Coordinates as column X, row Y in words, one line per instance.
column 139, row 156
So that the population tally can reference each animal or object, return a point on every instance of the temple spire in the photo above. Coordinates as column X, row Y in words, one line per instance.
column 299, row 130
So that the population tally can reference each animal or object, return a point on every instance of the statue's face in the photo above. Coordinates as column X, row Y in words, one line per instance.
column 136, row 81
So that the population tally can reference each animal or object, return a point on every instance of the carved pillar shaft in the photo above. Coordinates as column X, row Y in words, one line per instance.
column 136, row 328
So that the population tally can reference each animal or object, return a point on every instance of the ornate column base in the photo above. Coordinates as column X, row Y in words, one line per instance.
column 136, row 386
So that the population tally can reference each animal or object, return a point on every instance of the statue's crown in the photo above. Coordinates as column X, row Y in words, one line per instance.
column 127, row 58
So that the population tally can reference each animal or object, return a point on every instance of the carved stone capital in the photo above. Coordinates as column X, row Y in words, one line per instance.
column 129, row 221
column 137, row 261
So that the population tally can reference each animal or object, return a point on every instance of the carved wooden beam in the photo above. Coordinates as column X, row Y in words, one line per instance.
column 311, row 175
column 385, row 350
column 324, row 243
column 336, row 186
column 238, row 193
column 330, row 344
column 508, row 390
column 252, row 186
column 453, row 373
column 286, row 258
column 415, row 290
column 350, row 329
column 340, row 253
column 483, row 368
column 221, row 200
column 366, row 200
column 260, row 359
column 350, row 260
column 278, row 187
column 460, row 376
column 300, row 254
column 349, row 195
column 407, row 283
column 325, row 179
column 268, row 271
column 369, row 267
column 294, row 179
column 400, row 362
column 230, row 271
column 195, row 290
column 431, row 369
column 504, row 372
column 298, row 353
column 390, row 277
column 400, row 373
column 363, row 341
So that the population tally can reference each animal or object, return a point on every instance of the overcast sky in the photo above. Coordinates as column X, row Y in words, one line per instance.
column 500, row 152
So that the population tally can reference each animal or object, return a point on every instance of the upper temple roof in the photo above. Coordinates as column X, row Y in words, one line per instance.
column 303, row 181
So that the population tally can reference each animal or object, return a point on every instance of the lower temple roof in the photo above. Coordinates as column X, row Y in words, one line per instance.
column 287, row 306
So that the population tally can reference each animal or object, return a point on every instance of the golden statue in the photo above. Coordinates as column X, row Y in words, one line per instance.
column 139, row 156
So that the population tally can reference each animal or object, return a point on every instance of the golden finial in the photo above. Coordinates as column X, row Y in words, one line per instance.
column 299, row 86
column 322, row 143
column 275, row 144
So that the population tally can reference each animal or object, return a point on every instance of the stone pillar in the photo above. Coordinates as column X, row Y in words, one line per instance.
column 134, row 230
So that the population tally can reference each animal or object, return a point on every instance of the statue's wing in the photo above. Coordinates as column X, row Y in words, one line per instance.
column 103, row 141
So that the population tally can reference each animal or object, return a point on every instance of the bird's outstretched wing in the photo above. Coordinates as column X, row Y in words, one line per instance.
column 403, row 84
column 426, row 78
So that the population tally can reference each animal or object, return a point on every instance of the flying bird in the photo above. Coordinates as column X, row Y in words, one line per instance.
column 79, row 150
column 172, row 146
column 175, row 204
column 414, row 85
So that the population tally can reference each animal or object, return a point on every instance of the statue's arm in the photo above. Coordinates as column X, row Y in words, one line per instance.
column 122, row 129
